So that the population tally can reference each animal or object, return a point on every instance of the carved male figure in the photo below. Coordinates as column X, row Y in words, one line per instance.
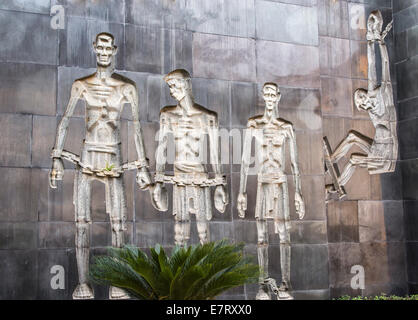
column 189, row 122
column 271, row 135
column 382, row 151
column 105, row 94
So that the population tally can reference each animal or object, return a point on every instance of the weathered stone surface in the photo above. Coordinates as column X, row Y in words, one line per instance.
column 401, row 47
column 18, row 268
column 323, row 294
column 46, row 260
column 372, row 221
column 374, row 259
column 333, row 18
column 342, row 256
column 411, row 220
column 406, row 72
column 107, row 10
column 40, row 45
column 412, row 261
column 27, row 88
column 160, row 14
column 35, row 6
column 408, row 145
column 18, row 235
column 359, row 58
column 209, row 51
column 158, row 96
column 15, row 130
column 335, row 57
column 405, row 19
column 16, row 197
column 303, row 232
column 224, row 17
column 309, row 267
column 245, row 231
column 286, row 23
column 401, row 5
column 43, row 140
column 409, row 169
column 76, row 42
column 215, row 95
column 56, row 234
column 157, row 50
column 287, row 64
column 343, row 221
column 336, row 96
column 309, row 145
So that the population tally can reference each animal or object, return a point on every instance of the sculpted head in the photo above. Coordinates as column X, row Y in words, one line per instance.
column 180, row 83
column 374, row 25
column 105, row 49
column 361, row 100
column 271, row 95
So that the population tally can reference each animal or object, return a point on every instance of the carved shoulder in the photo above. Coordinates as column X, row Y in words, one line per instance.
column 129, row 91
column 77, row 89
column 253, row 122
column 166, row 113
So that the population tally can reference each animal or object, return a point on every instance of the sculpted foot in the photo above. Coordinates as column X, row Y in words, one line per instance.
column 284, row 292
column 263, row 293
column 83, row 291
column 117, row 294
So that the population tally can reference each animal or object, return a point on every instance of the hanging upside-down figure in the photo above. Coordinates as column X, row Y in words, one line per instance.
column 271, row 134
column 105, row 94
column 381, row 152
column 189, row 122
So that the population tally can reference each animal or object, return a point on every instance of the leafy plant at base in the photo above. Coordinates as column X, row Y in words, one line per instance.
column 197, row 272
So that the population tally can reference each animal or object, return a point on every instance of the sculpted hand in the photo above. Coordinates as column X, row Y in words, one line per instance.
column 242, row 204
column 56, row 173
column 221, row 198
column 299, row 205
column 143, row 178
column 159, row 196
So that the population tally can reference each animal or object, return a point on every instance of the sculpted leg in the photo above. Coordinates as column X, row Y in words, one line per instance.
column 82, row 193
column 349, row 169
column 263, row 261
column 203, row 229
column 116, row 208
column 354, row 138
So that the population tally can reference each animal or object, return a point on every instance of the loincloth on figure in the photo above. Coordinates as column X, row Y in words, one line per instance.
column 382, row 155
column 273, row 200
column 189, row 199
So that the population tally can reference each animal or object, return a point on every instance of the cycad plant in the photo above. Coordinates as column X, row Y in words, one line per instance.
column 197, row 272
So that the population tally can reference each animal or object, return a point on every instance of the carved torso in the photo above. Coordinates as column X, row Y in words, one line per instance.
column 270, row 138
column 188, row 130
column 104, row 99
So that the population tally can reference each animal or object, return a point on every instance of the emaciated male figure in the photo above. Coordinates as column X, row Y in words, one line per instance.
column 271, row 134
column 382, row 152
column 189, row 123
column 105, row 94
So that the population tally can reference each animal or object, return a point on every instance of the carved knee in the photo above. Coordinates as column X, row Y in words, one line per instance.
column 82, row 238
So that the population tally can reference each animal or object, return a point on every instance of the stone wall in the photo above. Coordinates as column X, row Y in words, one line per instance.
column 314, row 50
column 406, row 64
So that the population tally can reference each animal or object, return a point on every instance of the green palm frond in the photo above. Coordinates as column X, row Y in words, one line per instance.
column 189, row 273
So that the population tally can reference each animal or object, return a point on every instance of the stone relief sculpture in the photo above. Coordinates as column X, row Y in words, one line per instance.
column 188, row 122
column 381, row 152
column 271, row 134
column 105, row 94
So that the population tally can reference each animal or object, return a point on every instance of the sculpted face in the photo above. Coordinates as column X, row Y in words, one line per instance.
column 361, row 99
column 271, row 97
column 104, row 49
column 178, row 88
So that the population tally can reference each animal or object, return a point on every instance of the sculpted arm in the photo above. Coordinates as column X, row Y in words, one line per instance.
column 57, row 170
column 159, row 193
column 245, row 164
column 299, row 204
column 372, row 74
column 143, row 177
column 221, row 196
